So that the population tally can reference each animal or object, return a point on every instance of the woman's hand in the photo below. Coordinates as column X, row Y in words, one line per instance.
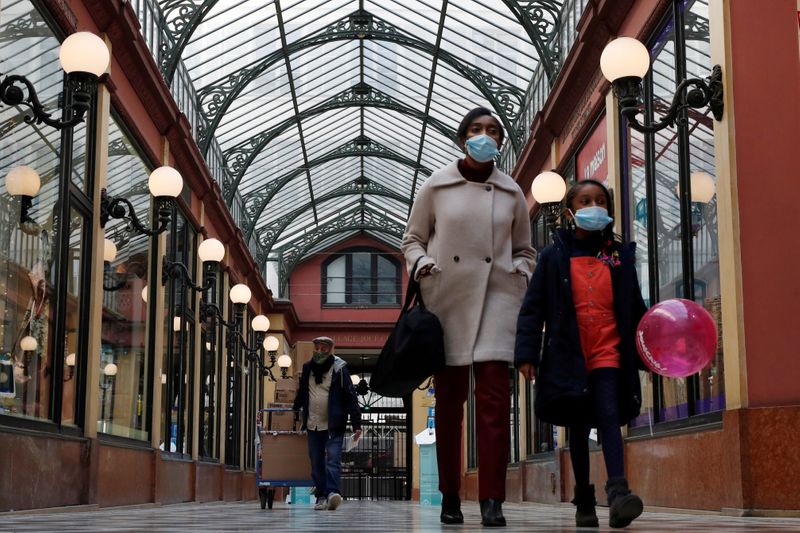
column 528, row 371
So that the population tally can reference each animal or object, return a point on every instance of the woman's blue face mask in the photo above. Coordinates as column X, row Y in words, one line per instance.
column 593, row 218
column 482, row 148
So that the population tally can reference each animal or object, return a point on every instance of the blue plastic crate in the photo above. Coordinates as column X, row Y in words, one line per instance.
column 302, row 496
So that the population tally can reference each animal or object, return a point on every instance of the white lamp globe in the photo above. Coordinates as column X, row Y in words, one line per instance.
column 240, row 293
column 28, row 343
column 165, row 182
column 703, row 187
column 211, row 250
column 284, row 361
column 624, row 57
column 163, row 379
column 23, row 181
column 548, row 187
column 144, row 293
column 110, row 369
column 71, row 359
column 109, row 250
column 176, row 323
column 271, row 344
column 355, row 379
column 260, row 323
column 84, row 52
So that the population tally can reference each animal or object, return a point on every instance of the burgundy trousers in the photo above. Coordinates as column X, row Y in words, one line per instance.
column 492, row 415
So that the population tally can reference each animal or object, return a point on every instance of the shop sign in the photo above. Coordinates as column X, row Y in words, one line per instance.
column 591, row 162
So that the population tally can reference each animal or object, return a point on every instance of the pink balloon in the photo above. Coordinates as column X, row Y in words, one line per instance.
column 676, row 338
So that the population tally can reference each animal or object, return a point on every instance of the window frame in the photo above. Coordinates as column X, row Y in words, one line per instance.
column 348, row 254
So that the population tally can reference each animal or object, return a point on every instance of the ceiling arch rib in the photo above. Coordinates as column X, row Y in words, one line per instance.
column 268, row 235
column 216, row 98
column 240, row 157
column 360, row 217
column 255, row 202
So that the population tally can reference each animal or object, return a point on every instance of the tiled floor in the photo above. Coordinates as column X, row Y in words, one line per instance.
column 359, row 516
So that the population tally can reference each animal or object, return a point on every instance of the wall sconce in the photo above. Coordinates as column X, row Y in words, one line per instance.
column 24, row 181
column 271, row 346
column 109, row 254
column 70, row 370
column 28, row 344
column 702, row 191
column 210, row 252
column 284, row 362
column 239, row 295
column 165, row 184
column 548, row 189
column 110, row 370
column 84, row 57
column 624, row 63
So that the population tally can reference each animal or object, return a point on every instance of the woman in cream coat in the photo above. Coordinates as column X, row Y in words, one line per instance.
column 469, row 236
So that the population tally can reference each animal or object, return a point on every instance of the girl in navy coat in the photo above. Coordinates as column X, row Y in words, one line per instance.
column 585, row 299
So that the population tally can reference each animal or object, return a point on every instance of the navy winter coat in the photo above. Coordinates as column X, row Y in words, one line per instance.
column 342, row 399
column 561, row 376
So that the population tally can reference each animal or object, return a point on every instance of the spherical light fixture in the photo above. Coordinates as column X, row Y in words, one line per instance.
column 703, row 187
column 271, row 344
column 144, row 293
column 624, row 57
column 260, row 323
column 109, row 250
column 355, row 379
column 84, row 52
column 548, row 187
column 211, row 250
column 284, row 361
column 176, row 323
column 28, row 344
column 110, row 370
column 165, row 182
column 240, row 293
column 70, row 359
column 163, row 379
column 23, row 181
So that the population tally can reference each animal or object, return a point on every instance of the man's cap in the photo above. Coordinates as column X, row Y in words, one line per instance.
column 323, row 340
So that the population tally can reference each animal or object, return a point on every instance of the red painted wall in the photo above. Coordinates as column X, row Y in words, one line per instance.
column 305, row 289
column 766, row 87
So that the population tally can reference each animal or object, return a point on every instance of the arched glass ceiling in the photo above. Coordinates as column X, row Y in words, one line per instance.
column 327, row 109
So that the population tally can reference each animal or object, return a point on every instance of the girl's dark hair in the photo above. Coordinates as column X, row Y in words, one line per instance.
column 608, row 232
column 470, row 117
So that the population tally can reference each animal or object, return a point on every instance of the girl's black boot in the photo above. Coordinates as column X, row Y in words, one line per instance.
column 451, row 510
column 623, row 506
column 585, row 515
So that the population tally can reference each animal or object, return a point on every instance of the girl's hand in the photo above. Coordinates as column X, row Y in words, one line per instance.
column 528, row 371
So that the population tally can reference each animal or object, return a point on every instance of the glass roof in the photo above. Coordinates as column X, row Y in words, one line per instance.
column 326, row 110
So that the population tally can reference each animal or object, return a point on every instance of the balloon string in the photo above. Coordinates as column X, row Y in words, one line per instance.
column 650, row 419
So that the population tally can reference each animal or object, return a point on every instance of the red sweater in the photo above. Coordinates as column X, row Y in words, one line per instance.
column 594, row 305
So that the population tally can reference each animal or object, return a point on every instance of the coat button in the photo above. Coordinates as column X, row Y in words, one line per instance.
column 456, row 259
column 488, row 188
column 488, row 259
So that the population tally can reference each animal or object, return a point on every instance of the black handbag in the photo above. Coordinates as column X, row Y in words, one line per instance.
column 415, row 349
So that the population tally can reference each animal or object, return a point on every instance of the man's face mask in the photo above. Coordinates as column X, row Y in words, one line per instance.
column 319, row 357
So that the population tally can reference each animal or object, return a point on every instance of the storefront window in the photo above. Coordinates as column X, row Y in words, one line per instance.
column 233, row 397
column 43, row 241
column 210, row 368
column 124, row 397
column 656, row 162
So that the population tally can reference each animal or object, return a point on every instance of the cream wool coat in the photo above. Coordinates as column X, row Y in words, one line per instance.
column 477, row 235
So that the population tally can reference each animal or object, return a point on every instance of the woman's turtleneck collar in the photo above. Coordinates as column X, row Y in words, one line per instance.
column 474, row 175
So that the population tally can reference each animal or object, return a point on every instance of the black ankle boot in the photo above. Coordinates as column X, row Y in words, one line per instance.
column 492, row 513
column 585, row 515
column 451, row 510
column 623, row 505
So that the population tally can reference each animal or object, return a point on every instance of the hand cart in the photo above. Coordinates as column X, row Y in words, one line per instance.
column 282, row 458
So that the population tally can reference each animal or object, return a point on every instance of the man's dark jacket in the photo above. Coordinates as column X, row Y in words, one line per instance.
column 561, row 376
column 342, row 399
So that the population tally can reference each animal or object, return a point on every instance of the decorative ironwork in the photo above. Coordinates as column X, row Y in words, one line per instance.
column 115, row 207
column 181, row 19
column 27, row 26
column 254, row 203
column 541, row 20
column 268, row 235
column 705, row 92
column 215, row 99
column 240, row 157
column 362, row 218
column 17, row 90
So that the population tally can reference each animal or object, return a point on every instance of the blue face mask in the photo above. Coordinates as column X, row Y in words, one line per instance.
column 593, row 218
column 482, row 148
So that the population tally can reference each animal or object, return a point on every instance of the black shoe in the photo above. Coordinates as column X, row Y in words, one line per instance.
column 492, row 513
column 451, row 510
column 623, row 506
column 585, row 515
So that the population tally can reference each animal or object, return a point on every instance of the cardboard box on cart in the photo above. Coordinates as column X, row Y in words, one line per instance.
column 284, row 457
column 280, row 420
column 285, row 390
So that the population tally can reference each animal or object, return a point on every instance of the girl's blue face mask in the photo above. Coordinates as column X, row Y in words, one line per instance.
column 482, row 148
column 593, row 218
